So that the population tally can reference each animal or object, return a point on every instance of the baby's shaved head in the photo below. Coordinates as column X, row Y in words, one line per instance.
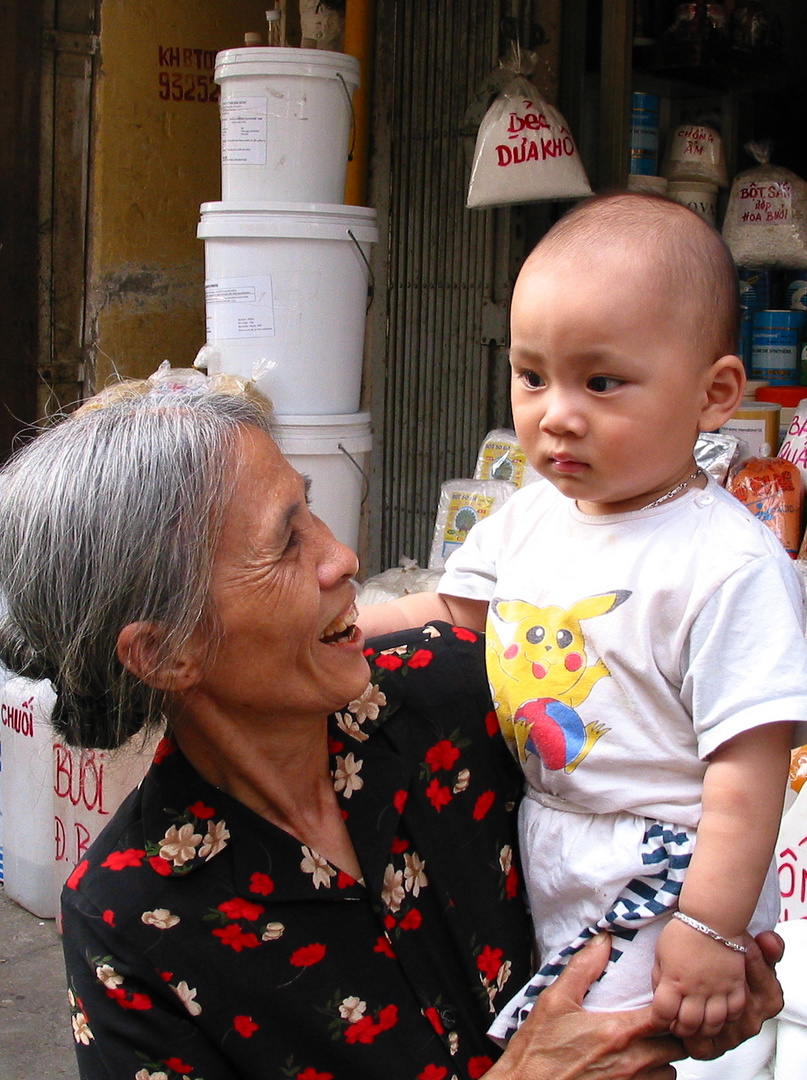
column 683, row 256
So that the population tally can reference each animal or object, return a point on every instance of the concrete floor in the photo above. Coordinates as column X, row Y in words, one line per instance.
column 36, row 1040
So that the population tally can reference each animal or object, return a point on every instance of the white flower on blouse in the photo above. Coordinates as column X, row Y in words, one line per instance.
column 216, row 839
column 367, row 705
column 431, row 631
column 107, row 975
column 272, row 931
column 503, row 974
column 186, row 996
column 81, row 1029
column 346, row 776
column 392, row 892
column 506, row 859
column 144, row 1074
column 453, row 1042
column 179, row 845
column 462, row 781
column 414, row 878
column 161, row 918
column 320, row 869
column 352, row 1009
column 350, row 725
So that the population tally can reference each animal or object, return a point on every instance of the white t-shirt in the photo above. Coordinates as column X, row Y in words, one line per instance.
column 624, row 649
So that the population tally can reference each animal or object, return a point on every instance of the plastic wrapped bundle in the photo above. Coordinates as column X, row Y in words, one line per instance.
column 462, row 503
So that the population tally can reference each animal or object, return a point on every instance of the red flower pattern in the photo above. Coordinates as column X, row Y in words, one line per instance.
column 411, row 920
column 398, row 845
column 492, row 723
column 433, row 1072
column 442, row 755
column 109, row 917
column 399, row 800
column 261, row 884
column 420, row 658
column 307, row 955
column 483, row 804
column 126, row 1000
column 201, row 811
column 165, row 747
column 160, row 865
column 511, row 884
column 391, row 662
column 235, row 937
column 78, row 874
column 312, row 1074
column 245, row 1026
column 237, row 908
column 438, row 795
column 119, row 860
column 464, row 634
column 366, row 1030
column 433, row 1016
column 178, row 1066
column 489, row 961
column 383, row 945
column 478, row 1066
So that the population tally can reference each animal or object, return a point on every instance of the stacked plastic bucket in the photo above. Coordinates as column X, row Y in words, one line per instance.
column 287, row 264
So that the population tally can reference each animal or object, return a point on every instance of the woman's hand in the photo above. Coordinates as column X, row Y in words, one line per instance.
column 559, row 1040
column 764, row 999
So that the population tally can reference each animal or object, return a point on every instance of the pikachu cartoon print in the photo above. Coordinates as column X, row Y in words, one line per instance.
column 547, row 654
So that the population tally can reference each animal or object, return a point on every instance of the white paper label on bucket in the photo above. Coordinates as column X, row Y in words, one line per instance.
column 243, row 131
column 239, row 308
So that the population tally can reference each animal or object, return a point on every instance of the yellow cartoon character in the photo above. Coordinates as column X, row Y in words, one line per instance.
column 548, row 655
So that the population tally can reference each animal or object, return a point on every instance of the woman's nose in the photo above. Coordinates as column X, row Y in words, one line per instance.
column 336, row 560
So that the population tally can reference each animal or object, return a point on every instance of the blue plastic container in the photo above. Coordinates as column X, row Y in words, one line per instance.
column 644, row 120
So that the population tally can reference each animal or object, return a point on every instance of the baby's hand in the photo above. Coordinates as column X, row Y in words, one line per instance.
column 699, row 983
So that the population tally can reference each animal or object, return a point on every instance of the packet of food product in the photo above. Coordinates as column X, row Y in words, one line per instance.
column 766, row 216
column 462, row 503
column 695, row 152
column 772, row 490
column 525, row 151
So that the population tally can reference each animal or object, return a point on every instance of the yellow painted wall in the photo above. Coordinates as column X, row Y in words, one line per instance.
column 155, row 158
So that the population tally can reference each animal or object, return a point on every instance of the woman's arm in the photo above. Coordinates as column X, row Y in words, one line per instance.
column 416, row 609
column 559, row 1040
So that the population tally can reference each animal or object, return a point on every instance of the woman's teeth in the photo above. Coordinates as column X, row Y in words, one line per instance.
column 341, row 627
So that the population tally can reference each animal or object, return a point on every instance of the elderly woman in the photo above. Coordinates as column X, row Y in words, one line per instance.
column 299, row 888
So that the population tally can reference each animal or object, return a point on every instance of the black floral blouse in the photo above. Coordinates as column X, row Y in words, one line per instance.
column 203, row 942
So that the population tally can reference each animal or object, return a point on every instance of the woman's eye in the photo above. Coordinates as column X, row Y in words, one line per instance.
column 602, row 383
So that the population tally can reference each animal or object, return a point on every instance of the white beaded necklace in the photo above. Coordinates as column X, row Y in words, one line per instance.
column 674, row 491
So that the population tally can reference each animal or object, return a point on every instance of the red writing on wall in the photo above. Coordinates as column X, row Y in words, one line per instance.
column 19, row 719
column 793, row 880
column 193, row 81
column 71, row 849
column 79, row 777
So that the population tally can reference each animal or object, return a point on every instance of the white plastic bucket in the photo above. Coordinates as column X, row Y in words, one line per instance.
column 286, row 288
column 285, row 123
column 27, row 794
column 333, row 452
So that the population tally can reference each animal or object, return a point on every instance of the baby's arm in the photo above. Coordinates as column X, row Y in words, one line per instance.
column 409, row 612
column 699, row 982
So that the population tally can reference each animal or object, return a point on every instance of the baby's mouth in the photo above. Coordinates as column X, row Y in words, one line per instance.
column 341, row 629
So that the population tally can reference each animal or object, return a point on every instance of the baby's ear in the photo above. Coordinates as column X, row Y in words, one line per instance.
column 140, row 650
column 723, row 392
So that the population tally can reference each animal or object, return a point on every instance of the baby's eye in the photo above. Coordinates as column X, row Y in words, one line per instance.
column 531, row 379
column 600, row 384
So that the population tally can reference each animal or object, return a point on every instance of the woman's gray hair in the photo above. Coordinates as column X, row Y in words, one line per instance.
column 109, row 518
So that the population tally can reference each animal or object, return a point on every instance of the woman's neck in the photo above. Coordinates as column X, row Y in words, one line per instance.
column 280, row 771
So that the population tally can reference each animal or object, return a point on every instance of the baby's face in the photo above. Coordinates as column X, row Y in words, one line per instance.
column 607, row 384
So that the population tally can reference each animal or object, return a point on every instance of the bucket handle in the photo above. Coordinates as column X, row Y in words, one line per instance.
column 362, row 474
column 349, row 97
column 366, row 261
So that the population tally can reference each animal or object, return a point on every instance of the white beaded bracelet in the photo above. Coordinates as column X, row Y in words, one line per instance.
column 704, row 929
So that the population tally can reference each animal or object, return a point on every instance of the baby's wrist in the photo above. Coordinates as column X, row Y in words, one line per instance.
column 728, row 941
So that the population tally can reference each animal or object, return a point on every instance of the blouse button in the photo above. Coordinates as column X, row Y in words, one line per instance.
column 448, row 1019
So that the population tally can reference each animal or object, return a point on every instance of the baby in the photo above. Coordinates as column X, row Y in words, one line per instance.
column 644, row 632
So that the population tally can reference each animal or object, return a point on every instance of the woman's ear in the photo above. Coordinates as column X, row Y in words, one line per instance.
column 140, row 651
column 723, row 392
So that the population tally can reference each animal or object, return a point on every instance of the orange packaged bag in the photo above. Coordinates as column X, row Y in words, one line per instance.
column 772, row 490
